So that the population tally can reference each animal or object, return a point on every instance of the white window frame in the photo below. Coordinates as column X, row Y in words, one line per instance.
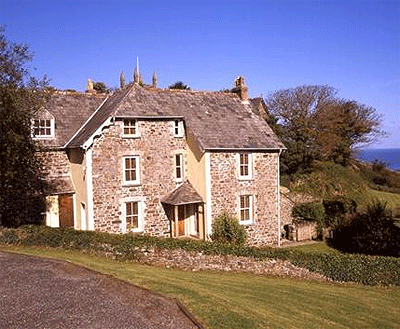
column 136, row 169
column 177, row 126
column 130, row 126
column 51, row 127
column 179, row 167
column 249, row 166
column 139, row 216
column 250, row 209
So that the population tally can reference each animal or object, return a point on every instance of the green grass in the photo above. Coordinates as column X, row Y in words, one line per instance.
column 392, row 199
column 232, row 300
column 315, row 247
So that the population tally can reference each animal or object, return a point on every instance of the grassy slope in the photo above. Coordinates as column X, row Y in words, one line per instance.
column 231, row 300
column 328, row 180
column 392, row 199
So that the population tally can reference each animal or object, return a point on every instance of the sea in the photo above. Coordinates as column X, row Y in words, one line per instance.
column 389, row 156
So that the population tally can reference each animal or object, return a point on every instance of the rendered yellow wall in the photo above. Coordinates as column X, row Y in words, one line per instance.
column 76, row 157
column 197, row 175
column 196, row 167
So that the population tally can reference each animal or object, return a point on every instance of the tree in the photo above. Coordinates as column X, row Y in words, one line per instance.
column 20, row 96
column 314, row 124
column 343, row 124
column 101, row 87
column 179, row 85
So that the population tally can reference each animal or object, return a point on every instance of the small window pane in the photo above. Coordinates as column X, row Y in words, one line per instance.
column 130, row 127
column 132, row 216
column 245, row 208
column 178, row 166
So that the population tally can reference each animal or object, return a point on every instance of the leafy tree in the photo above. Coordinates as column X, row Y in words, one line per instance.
column 20, row 97
column 101, row 87
column 316, row 125
column 343, row 124
column 179, row 85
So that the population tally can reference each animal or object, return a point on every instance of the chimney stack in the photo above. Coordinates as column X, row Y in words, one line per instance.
column 89, row 86
column 241, row 89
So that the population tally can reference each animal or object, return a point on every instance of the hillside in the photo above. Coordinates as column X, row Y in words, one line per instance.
column 362, row 182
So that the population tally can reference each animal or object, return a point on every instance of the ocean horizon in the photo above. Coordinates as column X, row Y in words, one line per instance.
column 390, row 156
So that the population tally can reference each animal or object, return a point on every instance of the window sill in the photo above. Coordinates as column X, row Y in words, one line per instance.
column 246, row 178
column 247, row 223
column 130, row 184
column 131, row 136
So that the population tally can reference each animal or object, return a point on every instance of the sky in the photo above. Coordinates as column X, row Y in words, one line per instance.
column 353, row 46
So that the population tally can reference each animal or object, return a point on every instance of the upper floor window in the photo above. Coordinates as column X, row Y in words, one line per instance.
column 246, row 209
column 178, row 167
column 131, row 128
column 245, row 166
column 131, row 170
column 43, row 128
column 178, row 128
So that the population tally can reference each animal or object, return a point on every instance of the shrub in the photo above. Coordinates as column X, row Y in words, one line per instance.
column 372, row 232
column 337, row 209
column 226, row 229
column 311, row 211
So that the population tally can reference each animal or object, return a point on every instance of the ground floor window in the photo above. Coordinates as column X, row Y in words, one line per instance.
column 132, row 216
column 246, row 209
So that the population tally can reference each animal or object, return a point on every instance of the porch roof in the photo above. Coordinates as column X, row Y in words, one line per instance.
column 184, row 194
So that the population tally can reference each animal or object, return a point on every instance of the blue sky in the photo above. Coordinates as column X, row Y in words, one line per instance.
column 353, row 46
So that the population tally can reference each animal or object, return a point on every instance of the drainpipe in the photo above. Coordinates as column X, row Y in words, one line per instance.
column 279, row 201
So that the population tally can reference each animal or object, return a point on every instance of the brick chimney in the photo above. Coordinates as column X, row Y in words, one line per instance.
column 241, row 89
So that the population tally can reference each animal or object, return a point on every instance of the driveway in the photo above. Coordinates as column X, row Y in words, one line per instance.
column 44, row 293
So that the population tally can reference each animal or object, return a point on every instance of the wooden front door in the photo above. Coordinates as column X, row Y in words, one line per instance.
column 66, row 210
column 181, row 220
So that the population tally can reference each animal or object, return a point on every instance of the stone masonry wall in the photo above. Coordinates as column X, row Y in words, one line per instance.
column 227, row 188
column 54, row 163
column 156, row 148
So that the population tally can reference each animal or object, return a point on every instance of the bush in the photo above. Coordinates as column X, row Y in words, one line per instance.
column 311, row 211
column 372, row 232
column 337, row 209
column 226, row 229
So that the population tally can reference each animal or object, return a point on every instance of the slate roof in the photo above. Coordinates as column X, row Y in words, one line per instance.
column 70, row 110
column 59, row 185
column 184, row 194
column 218, row 121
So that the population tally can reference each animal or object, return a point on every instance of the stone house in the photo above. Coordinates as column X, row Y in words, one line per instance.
column 160, row 162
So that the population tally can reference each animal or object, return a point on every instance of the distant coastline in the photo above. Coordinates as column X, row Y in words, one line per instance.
column 390, row 156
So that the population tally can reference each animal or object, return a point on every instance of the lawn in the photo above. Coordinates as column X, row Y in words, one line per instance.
column 232, row 300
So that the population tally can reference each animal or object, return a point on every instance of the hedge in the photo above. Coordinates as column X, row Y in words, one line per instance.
column 369, row 270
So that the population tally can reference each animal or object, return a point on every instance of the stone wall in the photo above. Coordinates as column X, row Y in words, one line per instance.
column 156, row 148
column 226, row 188
column 53, row 163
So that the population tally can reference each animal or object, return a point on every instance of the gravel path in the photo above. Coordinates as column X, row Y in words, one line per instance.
column 44, row 293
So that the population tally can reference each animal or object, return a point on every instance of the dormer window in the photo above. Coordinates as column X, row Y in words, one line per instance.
column 131, row 128
column 43, row 124
column 43, row 128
